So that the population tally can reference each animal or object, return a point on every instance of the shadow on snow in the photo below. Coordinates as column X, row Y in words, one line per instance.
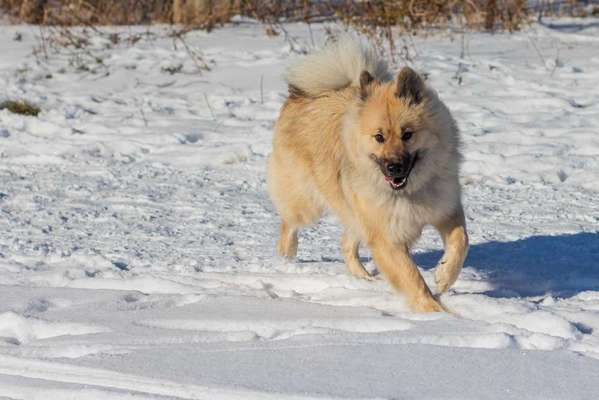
column 561, row 265
column 571, row 27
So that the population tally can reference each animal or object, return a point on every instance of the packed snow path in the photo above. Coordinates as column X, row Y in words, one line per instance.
column 137, row 238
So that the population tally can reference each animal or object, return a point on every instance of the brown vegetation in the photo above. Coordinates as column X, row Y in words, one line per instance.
column 20, row 107
column 410, row 15
column 96, row 12
column 210, row 13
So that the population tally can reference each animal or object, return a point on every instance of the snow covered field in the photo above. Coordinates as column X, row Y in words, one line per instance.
column 137, row 238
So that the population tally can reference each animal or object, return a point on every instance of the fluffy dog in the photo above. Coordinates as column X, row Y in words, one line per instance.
column 381, row 152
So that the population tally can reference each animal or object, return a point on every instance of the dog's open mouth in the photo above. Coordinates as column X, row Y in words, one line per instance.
column 399, row 182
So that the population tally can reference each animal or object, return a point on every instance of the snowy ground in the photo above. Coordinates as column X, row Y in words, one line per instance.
column 137, row 238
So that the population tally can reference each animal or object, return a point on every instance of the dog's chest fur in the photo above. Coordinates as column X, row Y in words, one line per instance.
column 406, row 215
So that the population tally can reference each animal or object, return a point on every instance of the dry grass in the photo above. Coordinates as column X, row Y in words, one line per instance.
column 378, row 19
column 207, row 14
column 82, row 12
column 20, row 107
column 411, row 15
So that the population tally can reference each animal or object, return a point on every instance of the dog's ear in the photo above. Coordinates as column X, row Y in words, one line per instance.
column 366, row 80
column 410, row 86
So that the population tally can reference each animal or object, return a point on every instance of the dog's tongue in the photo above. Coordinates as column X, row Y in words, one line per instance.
column 396, row 182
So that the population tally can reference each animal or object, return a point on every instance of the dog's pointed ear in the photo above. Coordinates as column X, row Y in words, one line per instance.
column 366, row 80
column 410, row 86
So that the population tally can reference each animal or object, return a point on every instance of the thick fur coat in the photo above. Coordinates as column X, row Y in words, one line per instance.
column 381, row 152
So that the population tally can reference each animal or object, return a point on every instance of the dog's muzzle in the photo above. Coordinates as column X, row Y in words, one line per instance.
column 397, row 170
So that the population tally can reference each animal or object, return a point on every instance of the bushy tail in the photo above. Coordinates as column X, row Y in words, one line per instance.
column 336, row 66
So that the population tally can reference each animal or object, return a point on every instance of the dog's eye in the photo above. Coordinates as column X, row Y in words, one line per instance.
column 379, row 138
column 407, row 135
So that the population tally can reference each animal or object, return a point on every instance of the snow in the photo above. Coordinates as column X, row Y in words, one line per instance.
column 137, row 248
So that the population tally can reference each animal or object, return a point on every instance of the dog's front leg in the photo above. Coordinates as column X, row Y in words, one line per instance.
column 349, row 246
column 455, row 240
column 396, row 264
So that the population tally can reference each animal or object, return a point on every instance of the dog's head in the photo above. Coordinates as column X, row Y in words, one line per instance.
column 402, row 131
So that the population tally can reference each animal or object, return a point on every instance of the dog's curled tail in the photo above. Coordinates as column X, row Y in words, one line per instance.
column 336, row 66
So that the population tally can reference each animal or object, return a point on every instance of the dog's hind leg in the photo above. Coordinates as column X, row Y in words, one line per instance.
column 287, row 245
column 297, row 207
column 293, row 193
column 297, row 213
column 350, row 246
column 455, row 240
column 297, row 210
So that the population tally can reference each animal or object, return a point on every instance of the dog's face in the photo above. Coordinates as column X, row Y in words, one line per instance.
column 397, row 135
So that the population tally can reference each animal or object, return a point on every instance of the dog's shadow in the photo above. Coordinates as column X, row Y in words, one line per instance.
column 562, row 265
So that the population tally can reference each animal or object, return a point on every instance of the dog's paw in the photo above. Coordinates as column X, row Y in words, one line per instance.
column 441, row 285
column 362, row 274
column 445, row 277
column 358, row 270
column 428, row 305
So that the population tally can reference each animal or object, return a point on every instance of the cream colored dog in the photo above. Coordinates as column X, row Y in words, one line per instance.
column 381, row 153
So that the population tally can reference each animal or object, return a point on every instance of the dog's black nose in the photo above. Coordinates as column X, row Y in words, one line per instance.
column 393, row 168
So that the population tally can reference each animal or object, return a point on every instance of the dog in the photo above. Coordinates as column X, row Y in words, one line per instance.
column 379, row 151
